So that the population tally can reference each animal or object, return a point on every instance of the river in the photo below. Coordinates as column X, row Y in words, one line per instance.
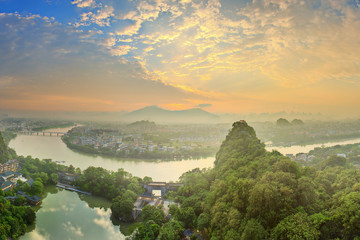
column 44, row 147
column 307, row 148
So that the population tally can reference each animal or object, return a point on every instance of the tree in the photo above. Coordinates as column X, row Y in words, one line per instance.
column 147, row 179
column 347, row 213
column 29, row 216
column 334, row 161
column 254, row 231
column 4, row 154
column 37, row 187
column 54, row 177
column 44, row 177
column 20, row 200
column 171, row 230
column 153, row 213
column 71, row 169
column 203, row 221
column 187, row 216
column 122, row 208
column 147, row 231
column 294, row 227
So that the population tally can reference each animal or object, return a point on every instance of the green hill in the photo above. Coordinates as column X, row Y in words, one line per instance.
column 255, row 194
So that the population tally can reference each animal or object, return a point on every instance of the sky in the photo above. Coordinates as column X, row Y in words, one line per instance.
column 236, row 56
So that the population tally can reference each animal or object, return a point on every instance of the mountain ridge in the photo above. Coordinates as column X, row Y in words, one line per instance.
column 158, row 114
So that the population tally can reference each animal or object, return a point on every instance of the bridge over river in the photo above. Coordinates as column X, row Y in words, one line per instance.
column 37, row 133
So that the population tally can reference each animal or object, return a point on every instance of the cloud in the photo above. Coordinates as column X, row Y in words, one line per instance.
column 254, row 48
column 120, row 50
column 73, row 229
column 103, row 221
column 129, row 30
column 84, row 3
column 46, row 65
column 38, row 234
column 101, row 17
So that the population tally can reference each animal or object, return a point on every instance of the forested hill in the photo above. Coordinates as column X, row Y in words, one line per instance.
column 255, row 194
column 4, row 155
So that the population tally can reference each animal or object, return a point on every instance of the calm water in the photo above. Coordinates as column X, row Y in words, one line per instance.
column 53, row 147
column 305, row 149
column 68, row 215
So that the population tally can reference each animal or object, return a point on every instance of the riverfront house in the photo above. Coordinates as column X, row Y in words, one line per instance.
column 8, row 175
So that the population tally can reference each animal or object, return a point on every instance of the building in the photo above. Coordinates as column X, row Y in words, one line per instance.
column 11, row 165
column 150, row 198
column 7, row 185
column 144, row 200
column 33, row 200
column 8, row 180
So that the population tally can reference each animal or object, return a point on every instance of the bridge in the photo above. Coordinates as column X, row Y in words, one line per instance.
column 37, row 133
column 71, row 188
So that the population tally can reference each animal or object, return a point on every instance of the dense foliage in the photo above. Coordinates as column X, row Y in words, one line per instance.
column 7, row 136
column 14, row 219
column 4, row 154
column 102, row 182
column 255, row 194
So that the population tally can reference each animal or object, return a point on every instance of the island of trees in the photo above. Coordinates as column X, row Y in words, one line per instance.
column 140, row 140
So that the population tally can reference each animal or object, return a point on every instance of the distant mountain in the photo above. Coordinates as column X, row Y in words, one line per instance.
column 157, row 114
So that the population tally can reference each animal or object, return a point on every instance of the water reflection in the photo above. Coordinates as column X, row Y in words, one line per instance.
column 68, row 215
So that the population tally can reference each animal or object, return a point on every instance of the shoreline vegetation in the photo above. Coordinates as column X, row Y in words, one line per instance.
column 8, row 136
